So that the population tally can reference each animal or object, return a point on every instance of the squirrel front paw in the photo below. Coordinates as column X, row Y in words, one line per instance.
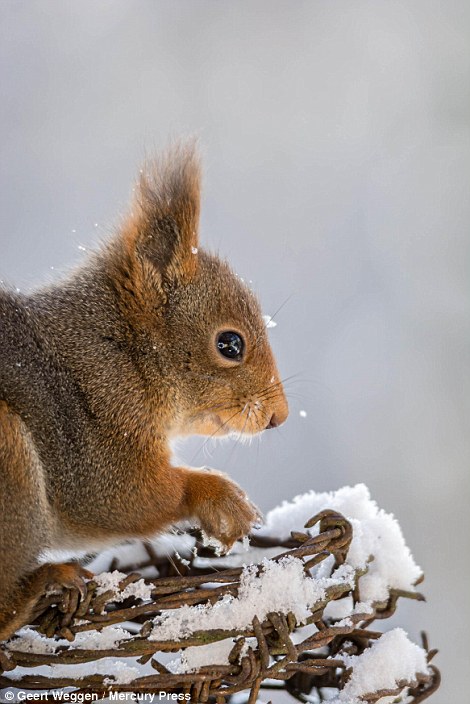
column 222, row 508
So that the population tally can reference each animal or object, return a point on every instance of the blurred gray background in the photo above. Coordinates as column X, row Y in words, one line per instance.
column 337, row 160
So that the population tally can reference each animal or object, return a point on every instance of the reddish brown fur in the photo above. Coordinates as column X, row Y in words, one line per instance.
column 100, row 372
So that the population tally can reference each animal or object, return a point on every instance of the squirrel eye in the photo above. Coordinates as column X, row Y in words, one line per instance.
column 230, row 345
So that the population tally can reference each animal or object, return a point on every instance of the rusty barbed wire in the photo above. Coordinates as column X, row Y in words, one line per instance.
column 274, row 662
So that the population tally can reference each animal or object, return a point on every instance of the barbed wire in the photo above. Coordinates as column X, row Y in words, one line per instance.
column 271, row 659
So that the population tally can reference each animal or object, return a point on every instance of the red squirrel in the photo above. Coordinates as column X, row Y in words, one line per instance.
column 151, row 338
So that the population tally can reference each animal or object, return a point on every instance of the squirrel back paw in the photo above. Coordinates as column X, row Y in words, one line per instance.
column 19, row 608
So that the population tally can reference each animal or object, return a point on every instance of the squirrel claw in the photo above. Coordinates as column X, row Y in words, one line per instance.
column 229, row 515
column 68, row 576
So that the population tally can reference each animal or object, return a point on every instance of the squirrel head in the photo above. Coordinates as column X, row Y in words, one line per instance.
column 205, row 347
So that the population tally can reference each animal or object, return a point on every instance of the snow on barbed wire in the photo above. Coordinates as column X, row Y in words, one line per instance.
column 377, row 562
column 392, row 659
column 110, row 581
column 375, row 533
column 281, row 587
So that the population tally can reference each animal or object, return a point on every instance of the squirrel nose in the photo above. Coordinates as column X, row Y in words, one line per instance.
column 274, row 422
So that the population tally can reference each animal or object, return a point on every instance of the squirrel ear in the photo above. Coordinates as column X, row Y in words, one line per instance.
column 163, row 227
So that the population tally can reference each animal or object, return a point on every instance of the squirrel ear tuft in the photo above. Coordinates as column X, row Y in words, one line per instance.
column 165, row 220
